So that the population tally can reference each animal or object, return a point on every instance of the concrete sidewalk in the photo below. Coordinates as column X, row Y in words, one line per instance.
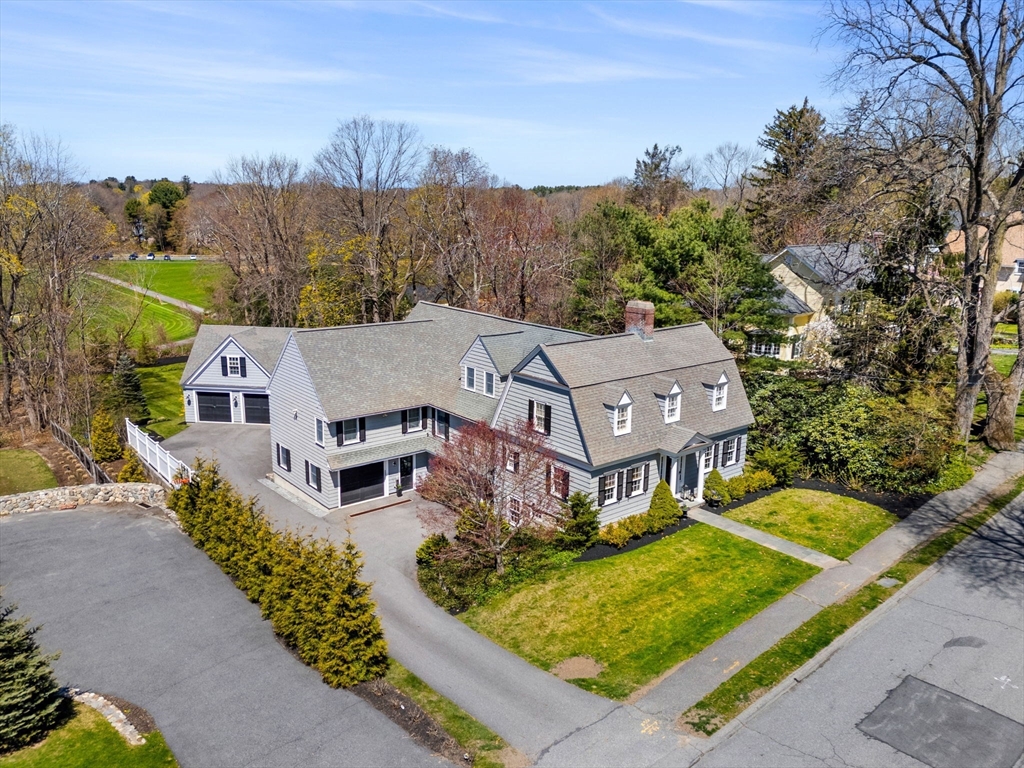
column 153, row 294
column 786, row 547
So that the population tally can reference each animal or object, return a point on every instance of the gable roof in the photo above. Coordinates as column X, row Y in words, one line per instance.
column 793, row 304
column 839, row 265
column 261, row 344
column 1013, row 245
column 508, row 349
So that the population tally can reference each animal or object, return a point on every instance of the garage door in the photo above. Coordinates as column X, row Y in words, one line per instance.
column 361, row 483
column 214, row 406
column 257, row 409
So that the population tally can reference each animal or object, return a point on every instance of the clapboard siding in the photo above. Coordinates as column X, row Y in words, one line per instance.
column 733, row 469
column 565, row 437
column 191, row 406
column 631, row 505
column 209, row 375
column 478, row 359
column 382, row 429
column 539, row 369
column 294, row 409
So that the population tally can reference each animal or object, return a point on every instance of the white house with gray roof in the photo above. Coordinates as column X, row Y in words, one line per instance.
column 357, row 410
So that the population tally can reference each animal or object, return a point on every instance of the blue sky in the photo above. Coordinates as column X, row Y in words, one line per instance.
column 545, row 93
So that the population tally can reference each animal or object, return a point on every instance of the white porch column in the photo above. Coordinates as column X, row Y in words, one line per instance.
column 674, row 474
column 700, row 475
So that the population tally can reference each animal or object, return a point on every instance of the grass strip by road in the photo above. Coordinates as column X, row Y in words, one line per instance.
column 23, row 470
column 835, row 525
column 769, row 669
column 88, row 740
column 163, row 396
column 475, row 737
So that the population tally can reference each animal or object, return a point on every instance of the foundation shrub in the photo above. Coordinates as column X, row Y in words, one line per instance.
column 759, row 480
column 737, row 486
column 580, row 527
column 664, row 509
column 308, row 588
column 716, row 489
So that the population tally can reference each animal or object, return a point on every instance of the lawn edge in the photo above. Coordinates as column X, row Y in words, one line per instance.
column 976, row 516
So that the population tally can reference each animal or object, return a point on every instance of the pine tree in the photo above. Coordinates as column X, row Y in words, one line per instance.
column 133, row 470
column 127, row 395
column 106, row 443
column 30, row 700
column 580, row 528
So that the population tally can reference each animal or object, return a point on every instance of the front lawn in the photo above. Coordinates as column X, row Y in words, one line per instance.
column 1003, row 364
column 88, row 740
column 163, row 396
column 22, row 471
column 835, row 525
column 642, row 612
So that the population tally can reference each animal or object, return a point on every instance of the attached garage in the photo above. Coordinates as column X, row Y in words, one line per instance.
column 214, row 406
column 257, row 409
column 362, row 483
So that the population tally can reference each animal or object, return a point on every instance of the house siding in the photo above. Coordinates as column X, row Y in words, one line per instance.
column 478, row 359
column 294, row 409
column 209, row 375
column 191, row 406
column 565, row 438
column 538, row 368
column 382, row 429
column 733, row 469
column 632, row 505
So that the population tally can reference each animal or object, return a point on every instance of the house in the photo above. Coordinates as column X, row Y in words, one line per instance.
column 356, row 411
column 227, row 372
column 1011, row 270
column 814, row 279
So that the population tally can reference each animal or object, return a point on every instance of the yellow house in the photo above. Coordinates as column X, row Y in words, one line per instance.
column 1011, row 270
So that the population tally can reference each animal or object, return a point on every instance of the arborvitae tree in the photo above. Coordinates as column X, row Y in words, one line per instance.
column 664, row 509
column 30, row 700
column 580, row 528
column 133, row 470
column 127, row 395
column 106, row 443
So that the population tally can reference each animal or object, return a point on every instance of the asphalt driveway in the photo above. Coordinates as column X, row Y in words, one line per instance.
column 140, row 613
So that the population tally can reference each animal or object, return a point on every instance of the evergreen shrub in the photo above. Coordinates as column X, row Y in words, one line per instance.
column 126, row 394
column 737, row 486
column 580, row 528
column 664, row 509
column 30, row 701
column 759, row 480
column 716, row 490
column 132, row 471
column 106, row 443
column 308, row 588
column 782, row 463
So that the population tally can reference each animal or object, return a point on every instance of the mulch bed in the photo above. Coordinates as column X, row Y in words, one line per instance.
column 411, row 717
column 601, row 551
column 140, row 719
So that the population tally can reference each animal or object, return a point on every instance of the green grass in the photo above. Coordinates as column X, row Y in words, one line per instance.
column 642, row 612
column 472, row 735
column 1003, row 364
column 835, row 525
column 193, row 281
column 163, row 396
column 116, row 308
column 800, row 646
column 22, row 471
column 88, row 740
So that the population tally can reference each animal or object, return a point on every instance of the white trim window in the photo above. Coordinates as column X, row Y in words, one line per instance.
column 636, row 482
column 234, row 366
column 558, row 482
column 1018, row 267
column 321, row 427
column 720, row 395
column 623, row 415
column 415, row 421
column 284, row 458
column 512, row 462
column 515, row 510
column 350, row 431
column 708, row 460
column 730, row 451
column 672, row 403
column 609, row 489
column 489, row 384
column 469, row 379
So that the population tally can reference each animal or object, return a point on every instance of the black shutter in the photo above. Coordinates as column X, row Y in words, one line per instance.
column 621, row 483
column 362, row 430
column 316, row 474
column 515, row 462
column 287, row 460
column 714, row 462
column 647, row 475
column 405, row 422
column 223, row 366
column 339, row 433
column 531, row 408
column 547, row 419
column 447, row 420
column 547, row 479
column 629, row 480
column 565, row 484
column 277, row 452
column 602, row 482
column 307, row 472
column 423, row 418
column 241, row 366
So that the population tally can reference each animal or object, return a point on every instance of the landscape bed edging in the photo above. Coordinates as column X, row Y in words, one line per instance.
column 110, row 711
column 69, row 497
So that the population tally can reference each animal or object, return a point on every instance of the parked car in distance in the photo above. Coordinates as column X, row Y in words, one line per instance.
column 133, row 256
column 192, row 257
column 150, row 256
column 167, row 257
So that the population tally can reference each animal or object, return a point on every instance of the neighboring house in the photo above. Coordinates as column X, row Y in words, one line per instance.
column 815, row 279
column 357, row 410
column 1011, row 270
column 226, row 376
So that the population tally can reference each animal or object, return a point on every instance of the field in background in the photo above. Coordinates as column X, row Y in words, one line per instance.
column 191, row 281
column 163, row 396
column 116, row 308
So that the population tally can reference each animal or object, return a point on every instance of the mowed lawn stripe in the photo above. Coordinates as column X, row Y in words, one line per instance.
column 163, row 396
column 191, row 281
column 835, row 525
column 116, row 307
column 642, row 612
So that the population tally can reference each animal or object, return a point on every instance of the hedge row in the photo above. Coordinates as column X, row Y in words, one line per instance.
column 664, row 511
column 308, row 588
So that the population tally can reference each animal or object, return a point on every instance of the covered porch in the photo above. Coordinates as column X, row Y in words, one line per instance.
column 684, row 472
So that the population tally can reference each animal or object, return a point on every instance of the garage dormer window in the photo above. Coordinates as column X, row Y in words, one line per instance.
column 672, row 403
column 624, row 415
column 721, row 394
column 232, row 365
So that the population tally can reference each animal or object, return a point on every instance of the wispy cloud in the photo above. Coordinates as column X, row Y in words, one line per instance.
column 761, row 8
column 470, row 122
column 658, row 31
column 548, row 66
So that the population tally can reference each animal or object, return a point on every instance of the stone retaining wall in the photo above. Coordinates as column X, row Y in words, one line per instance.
column 77, row 495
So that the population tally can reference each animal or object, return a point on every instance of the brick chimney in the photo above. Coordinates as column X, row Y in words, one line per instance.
column 640, row 319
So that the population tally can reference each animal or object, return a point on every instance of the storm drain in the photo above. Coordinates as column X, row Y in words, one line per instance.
column 944, row 730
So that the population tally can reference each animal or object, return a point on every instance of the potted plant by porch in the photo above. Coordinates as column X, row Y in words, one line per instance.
column 398, row 489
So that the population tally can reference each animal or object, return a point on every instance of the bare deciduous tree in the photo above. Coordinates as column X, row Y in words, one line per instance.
column 728, row 168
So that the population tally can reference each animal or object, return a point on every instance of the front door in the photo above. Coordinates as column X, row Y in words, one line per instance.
column 406, row 476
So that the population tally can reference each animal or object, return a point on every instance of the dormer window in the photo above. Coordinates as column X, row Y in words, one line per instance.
column 672, row 402
column 720, row 394
column 489, row 384
column 624, row 415
column 469, row 380
column 1018, row 267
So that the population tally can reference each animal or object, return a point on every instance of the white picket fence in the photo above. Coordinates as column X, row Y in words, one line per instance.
column 159, row 460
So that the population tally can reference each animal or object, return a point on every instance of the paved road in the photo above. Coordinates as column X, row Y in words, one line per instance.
column 139, row 613
column 951, row 650
column 529, row 708
column 147, row 292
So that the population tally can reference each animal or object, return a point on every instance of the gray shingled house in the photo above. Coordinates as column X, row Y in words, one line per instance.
column 357, row 410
